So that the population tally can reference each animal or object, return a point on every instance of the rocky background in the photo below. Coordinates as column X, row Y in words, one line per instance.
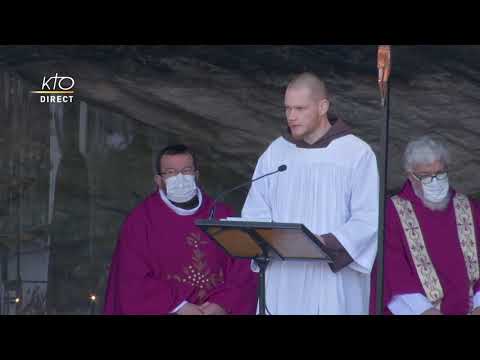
column 69, row 173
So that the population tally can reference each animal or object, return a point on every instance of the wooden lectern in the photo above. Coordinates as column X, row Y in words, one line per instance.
column 262, row 241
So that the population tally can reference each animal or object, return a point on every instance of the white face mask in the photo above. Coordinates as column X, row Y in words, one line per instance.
column 181, row 188
column 436, row 191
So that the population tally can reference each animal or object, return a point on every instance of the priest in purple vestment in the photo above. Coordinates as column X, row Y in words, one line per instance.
column 164, row 264
column 431, row 240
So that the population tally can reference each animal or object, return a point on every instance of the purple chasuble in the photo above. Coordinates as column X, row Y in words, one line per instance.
column 162, row 259
column 439, row 230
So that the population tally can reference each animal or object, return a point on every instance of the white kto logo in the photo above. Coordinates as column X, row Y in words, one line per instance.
column 56, row 89
column 58, row 80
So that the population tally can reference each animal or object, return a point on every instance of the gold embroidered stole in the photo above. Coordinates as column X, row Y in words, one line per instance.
column 423, row 264
column 466, row 235
column 425, row 269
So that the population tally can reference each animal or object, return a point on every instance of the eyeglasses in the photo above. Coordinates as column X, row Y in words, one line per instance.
column 427, row 179
column 174, row 172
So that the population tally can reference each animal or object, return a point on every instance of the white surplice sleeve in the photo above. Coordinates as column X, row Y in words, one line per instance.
column 258, row 205
column 409, row 304
column 476, row 300
column 359, row 234
column 416, row 304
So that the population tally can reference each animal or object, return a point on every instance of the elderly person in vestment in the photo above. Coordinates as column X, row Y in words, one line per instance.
column 431, row 240
column 164, row 264
column 330, row 186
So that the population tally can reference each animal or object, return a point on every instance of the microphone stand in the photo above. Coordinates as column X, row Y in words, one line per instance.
column 222, row 195
column 262, row 260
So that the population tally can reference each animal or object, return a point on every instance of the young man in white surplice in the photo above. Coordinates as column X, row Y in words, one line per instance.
column 331, row 186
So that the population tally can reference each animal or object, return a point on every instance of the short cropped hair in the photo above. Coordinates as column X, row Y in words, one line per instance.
column 425, row 150
column 174, row 150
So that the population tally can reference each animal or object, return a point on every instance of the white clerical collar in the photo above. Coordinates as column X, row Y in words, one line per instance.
column 178, row 210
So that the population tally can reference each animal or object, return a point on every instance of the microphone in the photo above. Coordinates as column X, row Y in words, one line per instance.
column 212, row 211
